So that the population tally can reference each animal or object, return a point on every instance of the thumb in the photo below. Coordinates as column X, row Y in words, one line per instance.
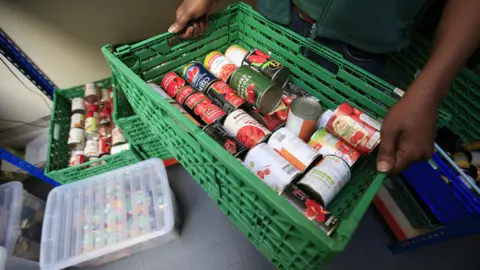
column 386, row 155
column 182, row 18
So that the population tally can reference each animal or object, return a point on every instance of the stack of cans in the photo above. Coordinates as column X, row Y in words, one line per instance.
column 93, row 134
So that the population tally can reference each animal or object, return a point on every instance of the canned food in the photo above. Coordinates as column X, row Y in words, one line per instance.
column 293, row 149
column 292, row 92
column 120, row 147
column 104, row 146
column 303, row 117
column 105, row 109
column 118, row 137
column 271, row 167
column 262, row 62
column 225, row 97
column 76, row 139
column 327, row 144
column 219, row 65
column 91, row 93
column 352, row 126
column 185, row 113
column 256, row 89
column 208, row 112
column 105, row 131
column 91, row 148
column 78, row 105
column 77, row 121
column 245, row 128
column 311, row 209
column 221, row 136
column 172, row 83
column 104, row 95
column 236, row 54
column 77, row 158
column 183, row 94
column 271, row 122
column 198, row 76
column 324, row 181
column 91, row 127
column 90, row 107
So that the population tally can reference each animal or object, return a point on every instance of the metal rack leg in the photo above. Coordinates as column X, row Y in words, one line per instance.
column 461, row 229
column 7, row 156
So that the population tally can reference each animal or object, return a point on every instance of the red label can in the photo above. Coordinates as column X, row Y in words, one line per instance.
column 105, row 131
column 104, row 146
column 195, row 99
column 172, row 83
column 91, row 107
column 183, row 94
column 217, row 132
column 225, row 97
column 245, row 128
column 77, row 158
column 354, row 127
column 209, row 112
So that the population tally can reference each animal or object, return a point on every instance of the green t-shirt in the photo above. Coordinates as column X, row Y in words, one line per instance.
column 377, row 26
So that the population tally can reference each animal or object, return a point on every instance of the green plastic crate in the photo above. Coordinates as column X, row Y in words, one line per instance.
column 58, row 153
column 135, row 130
column 280, row 232
column 463, row 100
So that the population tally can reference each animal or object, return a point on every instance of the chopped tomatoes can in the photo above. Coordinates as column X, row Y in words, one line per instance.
column 245, row 128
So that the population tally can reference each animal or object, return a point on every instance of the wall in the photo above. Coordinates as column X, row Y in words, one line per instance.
column 64, row 37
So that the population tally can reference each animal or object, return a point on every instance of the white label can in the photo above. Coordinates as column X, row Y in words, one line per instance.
column 245, row 128
column 91, row 148
column 76, row 139
column 271, row 167
column 78, row 120
column 118, row 137
column 78, row 105
column 91, row 93
column 293, row 149
column 119, row 148
column 326, row 179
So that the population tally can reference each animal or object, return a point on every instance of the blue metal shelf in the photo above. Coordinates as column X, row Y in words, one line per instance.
column 15, row 56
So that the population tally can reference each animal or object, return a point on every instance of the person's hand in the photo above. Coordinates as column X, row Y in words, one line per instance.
column 408, row 131
column 194, row 11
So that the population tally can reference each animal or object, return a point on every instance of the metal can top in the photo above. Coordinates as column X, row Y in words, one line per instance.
column 306, row 108
column 325, row 118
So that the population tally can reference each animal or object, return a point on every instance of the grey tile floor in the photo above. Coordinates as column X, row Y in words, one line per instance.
column 209, row 241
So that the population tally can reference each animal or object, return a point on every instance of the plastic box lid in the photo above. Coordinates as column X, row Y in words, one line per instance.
column 11, row 198
column 111, row 215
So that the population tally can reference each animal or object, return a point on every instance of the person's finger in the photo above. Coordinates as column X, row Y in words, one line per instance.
column 388, row 142
column 188, row 33
column 196, row 29
column 182, row 18
column 402, row 159
column 203, row 26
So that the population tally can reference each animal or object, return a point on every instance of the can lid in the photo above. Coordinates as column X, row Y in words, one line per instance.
column 306, row 108
column 325, row 118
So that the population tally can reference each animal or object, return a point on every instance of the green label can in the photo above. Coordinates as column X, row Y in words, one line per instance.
column 256, row 89
column 262, row 62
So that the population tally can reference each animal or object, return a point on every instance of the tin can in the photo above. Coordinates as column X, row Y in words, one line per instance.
column 118, row 137
column 91, row 148
column 78, row 106
column 77, row 158
column 293, row 149
column 104, row 95
column 352, row 126
column 172, row 83
column 271, row 122
column 271, row 167
column 219, row 65
column 105, row 131
column 327, row 144
column 104, row 146
column 105, row 109
column 292, row 92
column 77, row 121
column 91, row 127
column 119, row 148
column 245, row 128
column 303, row 117
column 76, row 139
column 311, row 209
column 217, row 132
column 90, row 107
column 225, row 97
column 183, row 94
column 324, row 181
column 208, row 112
column 263, row 62
column 256, row 89
column 91, row 93
column 236, row 54
column 198, row 76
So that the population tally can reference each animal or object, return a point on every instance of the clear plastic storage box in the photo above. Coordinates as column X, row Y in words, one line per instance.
column 108, row 216
column 21, row 216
